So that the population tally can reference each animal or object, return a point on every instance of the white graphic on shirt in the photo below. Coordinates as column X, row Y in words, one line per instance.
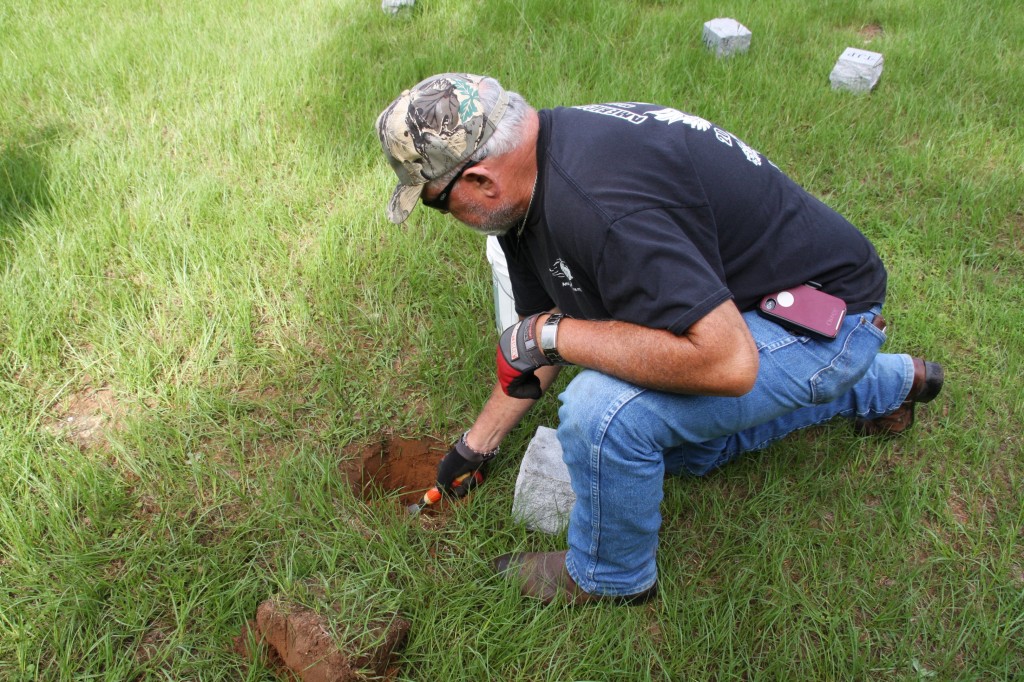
column 752, row 156
column 560, row 270
column 727, row 138
column 620, row 110
column 670, row 116
column 606, row 110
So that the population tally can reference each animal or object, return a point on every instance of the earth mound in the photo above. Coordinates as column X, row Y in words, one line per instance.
column 303, row 645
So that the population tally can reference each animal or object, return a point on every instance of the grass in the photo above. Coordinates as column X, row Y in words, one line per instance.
column 197, row 273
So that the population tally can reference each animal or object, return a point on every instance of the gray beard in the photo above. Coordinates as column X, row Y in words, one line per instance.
column 499, row 221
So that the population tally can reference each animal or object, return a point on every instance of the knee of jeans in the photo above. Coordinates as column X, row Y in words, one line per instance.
column 589, row 405
column 580, row 410
column 847, row 367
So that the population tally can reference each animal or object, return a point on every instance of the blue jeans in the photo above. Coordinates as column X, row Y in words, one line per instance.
column 620, row 440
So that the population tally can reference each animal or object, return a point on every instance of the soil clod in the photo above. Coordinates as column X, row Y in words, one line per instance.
column 303, row 644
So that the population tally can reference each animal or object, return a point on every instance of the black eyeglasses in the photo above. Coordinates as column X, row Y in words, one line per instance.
column 440, row 202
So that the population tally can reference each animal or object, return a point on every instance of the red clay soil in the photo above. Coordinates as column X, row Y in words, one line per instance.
column 396, row 465
column 300, row 643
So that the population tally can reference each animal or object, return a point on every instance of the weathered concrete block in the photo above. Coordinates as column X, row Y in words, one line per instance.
column 395, row 6
column 726, row 36
column 857, row 70
column 543, row 497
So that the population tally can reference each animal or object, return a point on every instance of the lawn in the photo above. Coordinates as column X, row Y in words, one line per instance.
column 205, row 316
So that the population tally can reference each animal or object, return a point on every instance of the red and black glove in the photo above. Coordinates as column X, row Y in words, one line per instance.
column 519, row 355
column 462, row 459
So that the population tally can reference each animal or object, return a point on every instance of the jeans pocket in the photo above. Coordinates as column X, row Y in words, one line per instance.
column 769, row 336
column 857, row 350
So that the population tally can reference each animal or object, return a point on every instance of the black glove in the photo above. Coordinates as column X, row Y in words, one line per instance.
column 461, row 459
column 519, row 354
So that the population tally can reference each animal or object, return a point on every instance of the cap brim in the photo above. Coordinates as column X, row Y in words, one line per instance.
column 403, row 201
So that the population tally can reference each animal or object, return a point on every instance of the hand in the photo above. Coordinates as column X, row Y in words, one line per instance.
column 460, row 460
column 519, row 355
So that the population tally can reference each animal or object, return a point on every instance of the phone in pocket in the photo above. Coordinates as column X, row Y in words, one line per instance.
column 805, row 310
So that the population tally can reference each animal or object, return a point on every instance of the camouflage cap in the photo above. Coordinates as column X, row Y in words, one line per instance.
column 431, row 129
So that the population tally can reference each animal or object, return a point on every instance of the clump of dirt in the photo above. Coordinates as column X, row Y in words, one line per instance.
column 395, row 465
column 86, row 415
column 300, row 642
column 869, row 32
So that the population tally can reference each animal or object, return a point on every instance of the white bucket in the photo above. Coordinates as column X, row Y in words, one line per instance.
column 504, row 303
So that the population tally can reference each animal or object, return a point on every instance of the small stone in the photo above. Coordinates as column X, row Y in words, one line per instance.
column 395, row 6
column 543, row 496
column 726, row 36
column 857, row 70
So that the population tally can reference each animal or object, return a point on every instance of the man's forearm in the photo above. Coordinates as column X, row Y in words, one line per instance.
column 716, row 356
column 502, row 413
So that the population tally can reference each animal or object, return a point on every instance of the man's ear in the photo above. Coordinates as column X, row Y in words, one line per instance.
column 483, row 180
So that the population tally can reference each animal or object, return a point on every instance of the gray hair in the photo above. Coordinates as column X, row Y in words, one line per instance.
column 507, row 135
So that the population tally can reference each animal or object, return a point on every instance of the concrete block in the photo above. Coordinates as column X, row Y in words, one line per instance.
column 857, row 70
column 395, row 6
column 726, row 36
column 543, row 497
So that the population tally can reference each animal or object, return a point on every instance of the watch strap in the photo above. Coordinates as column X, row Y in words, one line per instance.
column 549, row 339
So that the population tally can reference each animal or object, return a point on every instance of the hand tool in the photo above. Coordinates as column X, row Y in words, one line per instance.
column 460, row 487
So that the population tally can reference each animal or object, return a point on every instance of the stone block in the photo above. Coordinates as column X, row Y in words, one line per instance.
column 726, row 36
column 395, row 6
column 543, row 496
column 857, row 70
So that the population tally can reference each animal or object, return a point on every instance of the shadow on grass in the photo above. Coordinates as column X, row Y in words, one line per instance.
column 24, row 186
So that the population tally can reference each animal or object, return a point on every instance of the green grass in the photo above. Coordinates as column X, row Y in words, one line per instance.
column 195, row 265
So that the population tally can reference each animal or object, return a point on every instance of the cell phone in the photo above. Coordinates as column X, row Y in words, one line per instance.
column 805, row 310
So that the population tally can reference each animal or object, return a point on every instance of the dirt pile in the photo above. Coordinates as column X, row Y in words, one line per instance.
column 303, row 645
column 85, row 416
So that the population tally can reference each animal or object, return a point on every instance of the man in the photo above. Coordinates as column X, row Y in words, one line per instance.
column 640, row 241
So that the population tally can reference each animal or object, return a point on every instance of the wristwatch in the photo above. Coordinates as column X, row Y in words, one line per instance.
column 549, row 340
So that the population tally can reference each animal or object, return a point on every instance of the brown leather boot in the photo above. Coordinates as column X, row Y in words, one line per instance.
column 928, row 379
column 544, row 577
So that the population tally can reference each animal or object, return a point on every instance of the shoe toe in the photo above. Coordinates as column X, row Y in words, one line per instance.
column 504, row 562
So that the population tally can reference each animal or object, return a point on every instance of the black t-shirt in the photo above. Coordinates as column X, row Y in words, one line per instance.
column 649, row 215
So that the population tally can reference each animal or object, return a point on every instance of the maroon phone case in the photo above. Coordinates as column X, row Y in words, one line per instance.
column 806, row 310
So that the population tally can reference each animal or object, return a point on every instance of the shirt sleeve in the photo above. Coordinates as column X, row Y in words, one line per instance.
column 659, row 268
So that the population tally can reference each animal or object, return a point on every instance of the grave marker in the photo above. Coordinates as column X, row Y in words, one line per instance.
column 726, row 36
column 543, row 496
column 857, row 70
